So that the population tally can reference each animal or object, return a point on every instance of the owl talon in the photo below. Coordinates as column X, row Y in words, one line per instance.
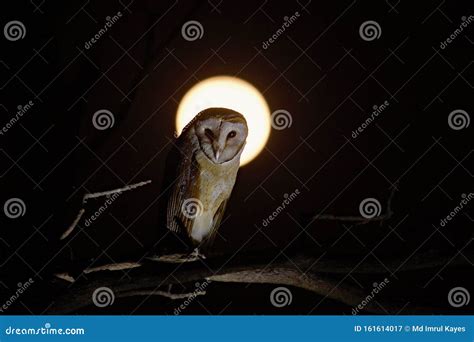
column 195, row 254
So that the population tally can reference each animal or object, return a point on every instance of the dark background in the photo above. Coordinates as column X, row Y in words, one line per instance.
column 319, row 70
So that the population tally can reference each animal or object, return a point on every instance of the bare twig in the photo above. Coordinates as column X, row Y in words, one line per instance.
column 114, row 191
column 113, row 267
column 65, row 276
column 329, row 217
column 166, row 294
column 388, row 214
column 73, row 224
column 178, row 258
column 81, row 212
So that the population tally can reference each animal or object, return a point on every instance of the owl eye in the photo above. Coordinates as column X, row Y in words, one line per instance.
column 231, row 134
column 209, row 133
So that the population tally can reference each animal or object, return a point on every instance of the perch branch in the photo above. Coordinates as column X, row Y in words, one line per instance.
column 320, row 277
column 323, row 286
column 166, row 294
column 329, row 217
column 113, row 267
column 147, row 283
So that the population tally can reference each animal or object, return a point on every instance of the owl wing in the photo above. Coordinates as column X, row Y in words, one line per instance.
column 218, row 216
column 176, row 221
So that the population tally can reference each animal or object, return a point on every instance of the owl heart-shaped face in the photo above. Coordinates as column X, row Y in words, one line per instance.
column 221, row 134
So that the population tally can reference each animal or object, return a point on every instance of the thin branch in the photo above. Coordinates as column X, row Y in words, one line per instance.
column 73, row 224
column 113, row 267
column 178, row 258
column 329, row 217
column 114, row 191
column 65, row 276
column 81, row 212
column 388, row 214
column 166, row 294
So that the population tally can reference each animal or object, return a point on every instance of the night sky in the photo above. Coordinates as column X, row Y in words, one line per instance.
column 414, row 159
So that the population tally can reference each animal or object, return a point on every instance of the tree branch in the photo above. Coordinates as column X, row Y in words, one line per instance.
column 165, row 294
column 73, row 224
column 320, row 276
column 86, row 197
column 349, row 218
column 114, row 191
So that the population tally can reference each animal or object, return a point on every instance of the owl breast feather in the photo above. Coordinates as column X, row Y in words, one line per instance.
column 214, row 186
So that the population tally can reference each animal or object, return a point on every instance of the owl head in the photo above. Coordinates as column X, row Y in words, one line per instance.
column 221, row 133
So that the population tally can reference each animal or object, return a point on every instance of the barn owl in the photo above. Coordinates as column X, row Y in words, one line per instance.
column 206, row 160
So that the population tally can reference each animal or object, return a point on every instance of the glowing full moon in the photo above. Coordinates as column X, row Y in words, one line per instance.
column 233, row 93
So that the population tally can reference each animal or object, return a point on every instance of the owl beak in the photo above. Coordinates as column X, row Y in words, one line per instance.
column 217, row 151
